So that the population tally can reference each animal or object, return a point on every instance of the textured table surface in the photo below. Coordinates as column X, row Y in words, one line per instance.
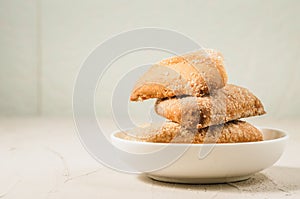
column 43, row 158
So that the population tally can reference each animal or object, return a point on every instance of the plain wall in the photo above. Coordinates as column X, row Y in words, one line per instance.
column 43, row 43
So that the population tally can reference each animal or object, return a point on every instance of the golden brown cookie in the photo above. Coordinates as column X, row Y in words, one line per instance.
column 229, row 103
column 194, row 74
column 230, row 132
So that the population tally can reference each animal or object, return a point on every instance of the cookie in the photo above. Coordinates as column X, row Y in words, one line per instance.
column 171, row 132
column 196, row 74
column 229, row 103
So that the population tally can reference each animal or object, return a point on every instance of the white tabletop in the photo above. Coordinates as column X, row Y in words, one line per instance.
column 43, row 158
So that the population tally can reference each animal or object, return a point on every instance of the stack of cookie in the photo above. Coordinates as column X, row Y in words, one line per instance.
column 200, row 107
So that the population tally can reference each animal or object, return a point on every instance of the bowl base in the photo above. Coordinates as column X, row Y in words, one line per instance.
column 198, row 180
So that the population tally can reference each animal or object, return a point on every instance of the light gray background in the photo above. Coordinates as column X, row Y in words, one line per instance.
column 43, row 43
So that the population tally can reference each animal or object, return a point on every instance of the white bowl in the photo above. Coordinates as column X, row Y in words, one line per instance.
column 224, row 163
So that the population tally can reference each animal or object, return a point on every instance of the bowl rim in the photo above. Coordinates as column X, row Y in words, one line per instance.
column 284, row 137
